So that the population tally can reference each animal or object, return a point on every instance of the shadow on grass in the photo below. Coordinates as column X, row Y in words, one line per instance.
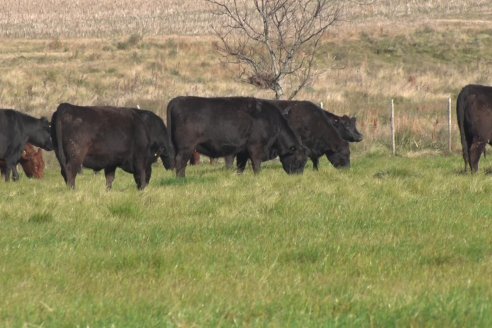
column 165, row 182
column 396, row 173
column 462, row 172
column 41, row 217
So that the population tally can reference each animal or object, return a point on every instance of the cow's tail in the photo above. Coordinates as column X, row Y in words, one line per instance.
column 169, row 110
column 460, row 115
column 56, row 137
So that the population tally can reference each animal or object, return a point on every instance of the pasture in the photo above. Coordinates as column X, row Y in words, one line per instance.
column 394, row 241
column 401, row 241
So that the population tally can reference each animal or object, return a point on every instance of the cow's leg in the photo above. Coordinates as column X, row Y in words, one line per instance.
column 71, row 170
column 6, row 172
column 64, row 175
column 139, row 176
column 466, row 154
column 229, row 162
column 9, row 169
column 241, row 160
column 109, row 173
column 15, row 173
column 256, row 162
column 148, row 173
column 315, row 161
column 256, row 154
column 182, row 158
column 476, row 151
column 195, row 158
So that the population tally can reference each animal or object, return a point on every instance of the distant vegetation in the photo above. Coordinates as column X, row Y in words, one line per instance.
column 362, row 67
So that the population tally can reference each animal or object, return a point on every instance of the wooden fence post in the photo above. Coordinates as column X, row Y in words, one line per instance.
column 449, row 124
column 393, row 146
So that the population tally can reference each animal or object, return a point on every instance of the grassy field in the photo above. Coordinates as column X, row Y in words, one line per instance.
column 391, row 242
column 394, row 241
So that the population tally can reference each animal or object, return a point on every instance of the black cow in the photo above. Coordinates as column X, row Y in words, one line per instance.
column 317, row 133
column 107, row 138
column 246, row 127
column 16, row 130
column 474, row 114
column 161, row 144
column 345, row 125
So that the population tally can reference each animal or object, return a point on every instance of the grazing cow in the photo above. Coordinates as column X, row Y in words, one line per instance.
column 16, row 130
column 246, row 127
column 32, row 162
column 317, row 133
column 107, row 138
column 346, row 126
column 474, row 115
column 161, row 144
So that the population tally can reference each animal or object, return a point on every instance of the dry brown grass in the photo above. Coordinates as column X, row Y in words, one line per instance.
column 107, row 18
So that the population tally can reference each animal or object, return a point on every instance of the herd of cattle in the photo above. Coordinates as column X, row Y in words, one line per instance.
column 241, row 128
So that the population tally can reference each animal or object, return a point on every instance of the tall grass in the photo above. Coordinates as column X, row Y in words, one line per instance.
column 391, row 242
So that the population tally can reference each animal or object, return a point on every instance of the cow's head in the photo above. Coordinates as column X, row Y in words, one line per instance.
column 40, row 136
column 167, row 157
column 346, row 126
column 294, row 159
column 340, row 157
column 288, row 146
column 32, row 162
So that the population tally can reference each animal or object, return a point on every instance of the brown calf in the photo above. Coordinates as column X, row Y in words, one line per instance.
column 31, row 161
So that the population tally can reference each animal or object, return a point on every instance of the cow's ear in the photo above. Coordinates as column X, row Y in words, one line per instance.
column 285, row 111
column 259, row 106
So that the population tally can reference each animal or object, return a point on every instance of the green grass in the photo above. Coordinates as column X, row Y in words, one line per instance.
column 391, row 242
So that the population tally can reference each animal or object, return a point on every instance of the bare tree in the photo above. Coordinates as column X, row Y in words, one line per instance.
column 275, row 42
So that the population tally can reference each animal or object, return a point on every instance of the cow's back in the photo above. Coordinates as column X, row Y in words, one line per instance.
column 101, row 136
column 208, row 122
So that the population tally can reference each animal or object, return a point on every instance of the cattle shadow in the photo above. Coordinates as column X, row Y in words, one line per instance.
column 396, row 173
column 462, row 172
column 189, row 180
